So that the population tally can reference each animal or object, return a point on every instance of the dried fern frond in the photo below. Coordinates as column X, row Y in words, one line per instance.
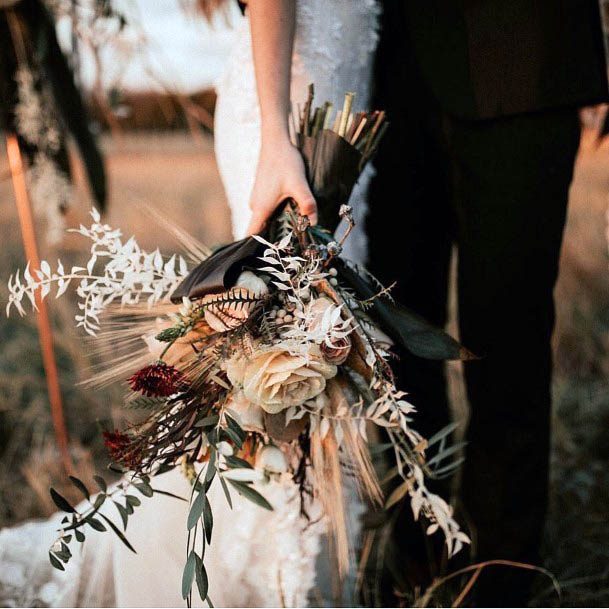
column 229, row 310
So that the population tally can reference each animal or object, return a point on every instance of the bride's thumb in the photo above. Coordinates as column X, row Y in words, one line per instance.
column 306, row 204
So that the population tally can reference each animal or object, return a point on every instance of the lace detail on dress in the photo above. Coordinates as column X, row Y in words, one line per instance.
column 270, row 556
column 334, row 47
column 27, row 579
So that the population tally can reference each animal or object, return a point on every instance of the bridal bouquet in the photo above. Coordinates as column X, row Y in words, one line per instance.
column 269, row 360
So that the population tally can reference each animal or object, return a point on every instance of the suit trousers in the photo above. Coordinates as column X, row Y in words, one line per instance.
column 498, row 190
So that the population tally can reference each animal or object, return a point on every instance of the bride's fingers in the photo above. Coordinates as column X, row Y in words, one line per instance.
column 259, row 218
column 304, row 199
column 306, row 204
column 255, row 226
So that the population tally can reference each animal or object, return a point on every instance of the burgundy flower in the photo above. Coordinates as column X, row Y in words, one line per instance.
column 157, row 380
column 121, row 448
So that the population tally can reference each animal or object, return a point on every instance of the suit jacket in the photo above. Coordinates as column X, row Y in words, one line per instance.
column 490, row 58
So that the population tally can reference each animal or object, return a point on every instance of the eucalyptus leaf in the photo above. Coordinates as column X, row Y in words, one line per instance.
column 207, row 484
column 56, row 563
column 61, row 502
column 189, row 574
column 448, row 469
column 80, row 485
column 226, row 492
column 133, row 500
column 95, row 524
column 447, row 452
column 245, row 490
column 201, row 578
column 443, row 433
column 210, row 421
column 196, row 510
column 234, row 436
column 208, row 519
column 211, row 466
column 236, row 427
column 101, row 483
column 64, row 556
column 118, row 532
column 144, row 488
column 123, row 513
column 237, row 462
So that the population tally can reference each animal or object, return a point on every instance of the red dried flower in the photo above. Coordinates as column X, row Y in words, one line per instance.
column 157, row 380
column 121, row 448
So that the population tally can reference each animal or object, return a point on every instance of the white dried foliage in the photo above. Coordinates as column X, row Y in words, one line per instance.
column 292, row 275
column 436, row 510
column 116, row 271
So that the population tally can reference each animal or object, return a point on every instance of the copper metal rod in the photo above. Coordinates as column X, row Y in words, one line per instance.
column 45, row 333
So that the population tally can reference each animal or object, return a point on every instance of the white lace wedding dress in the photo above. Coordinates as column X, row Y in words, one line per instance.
column 256, row 558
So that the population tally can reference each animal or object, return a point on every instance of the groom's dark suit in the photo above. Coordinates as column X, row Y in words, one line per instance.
column 482, row 96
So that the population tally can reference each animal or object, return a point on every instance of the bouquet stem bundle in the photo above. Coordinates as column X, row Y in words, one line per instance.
column 362, row 130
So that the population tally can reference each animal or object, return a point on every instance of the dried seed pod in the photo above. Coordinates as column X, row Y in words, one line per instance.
column 271, row 460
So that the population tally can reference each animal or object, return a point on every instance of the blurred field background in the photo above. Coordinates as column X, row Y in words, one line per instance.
column 159, row 151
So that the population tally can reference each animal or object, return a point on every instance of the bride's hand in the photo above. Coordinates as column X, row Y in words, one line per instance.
column 280, row 175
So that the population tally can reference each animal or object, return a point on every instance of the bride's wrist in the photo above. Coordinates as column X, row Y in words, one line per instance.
column 275, row 133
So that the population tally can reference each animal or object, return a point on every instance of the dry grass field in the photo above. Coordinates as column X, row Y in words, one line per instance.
column 178, row 176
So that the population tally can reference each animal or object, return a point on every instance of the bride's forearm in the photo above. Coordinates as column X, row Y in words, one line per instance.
column 272, row 25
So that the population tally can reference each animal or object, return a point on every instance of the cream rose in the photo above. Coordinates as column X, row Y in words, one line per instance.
column 275, row 379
